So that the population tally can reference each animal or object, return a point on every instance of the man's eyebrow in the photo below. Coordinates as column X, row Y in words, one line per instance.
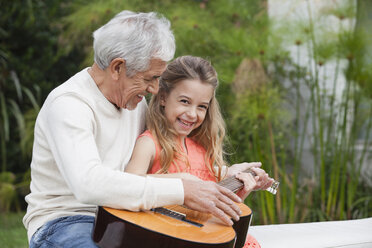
column 154, row 77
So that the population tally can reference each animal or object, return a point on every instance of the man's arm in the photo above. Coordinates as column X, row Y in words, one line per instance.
column 69, row 129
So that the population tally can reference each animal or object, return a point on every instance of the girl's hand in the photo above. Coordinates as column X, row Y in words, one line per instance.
column 238, row 168
column 264, row 181
column 250, row 183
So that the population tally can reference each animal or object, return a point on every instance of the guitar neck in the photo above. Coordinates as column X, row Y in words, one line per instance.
column 234, row 184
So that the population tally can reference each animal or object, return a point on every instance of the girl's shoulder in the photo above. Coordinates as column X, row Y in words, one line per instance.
column 147, row 133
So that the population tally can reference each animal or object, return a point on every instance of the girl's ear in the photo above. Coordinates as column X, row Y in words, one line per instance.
column 162, row 99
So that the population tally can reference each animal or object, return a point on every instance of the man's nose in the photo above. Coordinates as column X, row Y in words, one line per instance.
column 153, row 88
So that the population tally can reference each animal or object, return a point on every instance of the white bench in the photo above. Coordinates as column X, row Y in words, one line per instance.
column 342, row 234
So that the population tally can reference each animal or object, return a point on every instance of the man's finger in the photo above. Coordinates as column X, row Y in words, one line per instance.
column 224, row 201
column 221, row 215
column 231, row 195
column 230, row 210
column 211, row 198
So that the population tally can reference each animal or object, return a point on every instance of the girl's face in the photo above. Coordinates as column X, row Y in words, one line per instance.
column 186, row 105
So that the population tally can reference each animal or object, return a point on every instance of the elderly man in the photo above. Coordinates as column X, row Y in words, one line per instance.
column 85, row 133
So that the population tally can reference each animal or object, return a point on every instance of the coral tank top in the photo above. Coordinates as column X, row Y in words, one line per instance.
column 195, row 155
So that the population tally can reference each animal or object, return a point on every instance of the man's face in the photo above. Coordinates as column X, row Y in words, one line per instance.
column 133, row 89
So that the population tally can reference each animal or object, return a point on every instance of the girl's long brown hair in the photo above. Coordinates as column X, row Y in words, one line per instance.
column 209, row 134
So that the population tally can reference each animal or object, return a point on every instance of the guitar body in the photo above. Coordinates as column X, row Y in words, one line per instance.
column 125, row 229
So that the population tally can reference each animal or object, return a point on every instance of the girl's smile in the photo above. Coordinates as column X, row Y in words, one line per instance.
column 186, row 105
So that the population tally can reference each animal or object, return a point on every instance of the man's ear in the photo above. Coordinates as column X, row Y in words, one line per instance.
column 116, row 67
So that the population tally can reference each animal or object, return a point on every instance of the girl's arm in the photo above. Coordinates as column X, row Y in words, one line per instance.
column 142, row 156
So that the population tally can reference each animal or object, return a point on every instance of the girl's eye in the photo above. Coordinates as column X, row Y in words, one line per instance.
column 184, row 101
column 203, row 107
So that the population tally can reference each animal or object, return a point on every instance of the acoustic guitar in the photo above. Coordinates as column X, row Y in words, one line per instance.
column 171, row 226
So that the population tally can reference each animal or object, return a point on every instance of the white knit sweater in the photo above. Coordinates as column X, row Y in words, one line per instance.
column 82, row 144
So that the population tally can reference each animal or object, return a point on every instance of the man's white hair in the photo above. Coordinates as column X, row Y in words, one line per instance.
column 135, row 37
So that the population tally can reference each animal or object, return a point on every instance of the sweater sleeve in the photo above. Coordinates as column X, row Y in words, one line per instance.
column 69, row 129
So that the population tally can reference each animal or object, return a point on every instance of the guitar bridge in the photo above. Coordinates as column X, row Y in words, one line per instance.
column 175, row 215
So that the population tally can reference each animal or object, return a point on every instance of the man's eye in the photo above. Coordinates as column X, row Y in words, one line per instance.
column 184, row 101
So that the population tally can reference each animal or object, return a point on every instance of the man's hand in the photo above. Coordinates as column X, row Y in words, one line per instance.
column 209, row 197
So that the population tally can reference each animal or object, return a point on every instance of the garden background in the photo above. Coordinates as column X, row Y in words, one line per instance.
column 295, row 93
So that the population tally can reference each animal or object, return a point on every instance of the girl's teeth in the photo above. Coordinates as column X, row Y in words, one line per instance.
column 188, row 124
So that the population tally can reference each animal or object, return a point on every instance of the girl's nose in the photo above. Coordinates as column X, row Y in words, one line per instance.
column 192, row 112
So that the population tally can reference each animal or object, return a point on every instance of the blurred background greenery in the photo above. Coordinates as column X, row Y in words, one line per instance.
column 276, row 106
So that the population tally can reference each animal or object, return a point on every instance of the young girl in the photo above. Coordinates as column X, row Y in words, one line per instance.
column 186, row 130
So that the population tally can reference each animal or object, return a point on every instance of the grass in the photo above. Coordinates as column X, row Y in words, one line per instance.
column 12, row 232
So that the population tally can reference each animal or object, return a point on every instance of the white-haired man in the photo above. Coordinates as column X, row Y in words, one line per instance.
column 85, row 133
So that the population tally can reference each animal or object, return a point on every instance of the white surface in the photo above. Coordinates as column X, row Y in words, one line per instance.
column 343, row 234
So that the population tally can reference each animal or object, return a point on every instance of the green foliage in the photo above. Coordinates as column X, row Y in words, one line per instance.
column 31, row 63
column 255, row 117
column 331, row 121
column 12, row 232
column 13, row 190
column 8, row 194
column 215, row 30
column 253, row 111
